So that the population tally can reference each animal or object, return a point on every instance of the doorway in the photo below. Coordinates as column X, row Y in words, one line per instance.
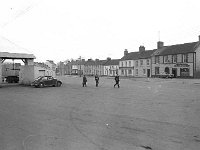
column 148, row 72
column 174, row 72
column 167, row 70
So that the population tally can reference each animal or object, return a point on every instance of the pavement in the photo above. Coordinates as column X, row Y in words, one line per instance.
column 143, row 114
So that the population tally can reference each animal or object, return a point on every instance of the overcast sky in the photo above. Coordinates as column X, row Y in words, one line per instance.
column 65, row 29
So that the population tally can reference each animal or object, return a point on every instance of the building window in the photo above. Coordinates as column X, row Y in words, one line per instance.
column 174, row 58
column 141, row 62
column 144, row 71
column 122, row 72
column 126, row 63
column 166, row 59
column 148, row 62
column 122, row 64
column 136, row 63
column 157, row 59
column 129, row 71
column 184, row 72
column 157, row 70
column 129, row 63
column 185, row 57
column 136, row 72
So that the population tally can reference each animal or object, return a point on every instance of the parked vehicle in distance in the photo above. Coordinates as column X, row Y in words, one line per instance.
column 12, row 79
column 166, row 75
column 43, row 81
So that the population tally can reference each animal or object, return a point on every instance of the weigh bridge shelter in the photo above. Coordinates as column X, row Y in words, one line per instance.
column 28, row 60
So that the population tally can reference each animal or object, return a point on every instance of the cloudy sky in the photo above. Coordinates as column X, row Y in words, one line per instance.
column 65, row 29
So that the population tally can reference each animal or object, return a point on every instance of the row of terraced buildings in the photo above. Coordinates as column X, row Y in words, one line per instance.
column 181, row 60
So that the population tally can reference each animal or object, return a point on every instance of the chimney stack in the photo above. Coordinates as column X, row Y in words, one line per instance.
column 108, row 58
column 199, row 38
column 160, row 44
column 125, row 52
column 141, row 49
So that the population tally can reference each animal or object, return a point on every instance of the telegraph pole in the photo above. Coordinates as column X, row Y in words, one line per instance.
column 80, row 65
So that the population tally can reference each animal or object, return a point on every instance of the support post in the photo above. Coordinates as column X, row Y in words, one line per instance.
column 1, row 61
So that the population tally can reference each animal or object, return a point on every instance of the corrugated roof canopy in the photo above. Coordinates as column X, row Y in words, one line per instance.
column 7, row 55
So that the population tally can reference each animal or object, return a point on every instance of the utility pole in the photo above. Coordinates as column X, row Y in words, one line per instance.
column 80, row 65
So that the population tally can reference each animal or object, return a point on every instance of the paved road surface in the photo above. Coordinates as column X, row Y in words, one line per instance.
column 142, row 114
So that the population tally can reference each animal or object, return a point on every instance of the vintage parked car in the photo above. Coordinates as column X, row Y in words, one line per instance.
column 166, row 75
column 43, row 81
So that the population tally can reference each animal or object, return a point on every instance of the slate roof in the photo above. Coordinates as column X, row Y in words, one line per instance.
column 112, row 62
column 90, row 63
column 131, row 56
column 96, row 62
column 146, row 54
column 177, row 49
column 138, row 55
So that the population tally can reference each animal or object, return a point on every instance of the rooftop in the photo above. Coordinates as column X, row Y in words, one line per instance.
column 177, row 49
column 138, row 55
column 7, row 55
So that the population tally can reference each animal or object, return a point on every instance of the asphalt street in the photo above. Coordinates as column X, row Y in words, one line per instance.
column 143, row 114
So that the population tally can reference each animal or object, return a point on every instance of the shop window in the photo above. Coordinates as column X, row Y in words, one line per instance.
column 184, row 72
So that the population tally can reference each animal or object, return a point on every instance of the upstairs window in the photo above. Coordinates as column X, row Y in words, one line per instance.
column 141, row 62
column 136, row 63
column 157, row 59
column 148, row 62
column 122, row 64
column 174, row 58
column 129, row 63
column 185, row 57
column 166, row 59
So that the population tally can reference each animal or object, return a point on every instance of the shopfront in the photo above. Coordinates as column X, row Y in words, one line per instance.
column 183, row 70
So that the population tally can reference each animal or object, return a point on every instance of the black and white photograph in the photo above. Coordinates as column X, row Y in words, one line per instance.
column 99, row 75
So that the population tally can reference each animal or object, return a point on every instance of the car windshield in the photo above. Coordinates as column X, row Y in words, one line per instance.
column 38, row 78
